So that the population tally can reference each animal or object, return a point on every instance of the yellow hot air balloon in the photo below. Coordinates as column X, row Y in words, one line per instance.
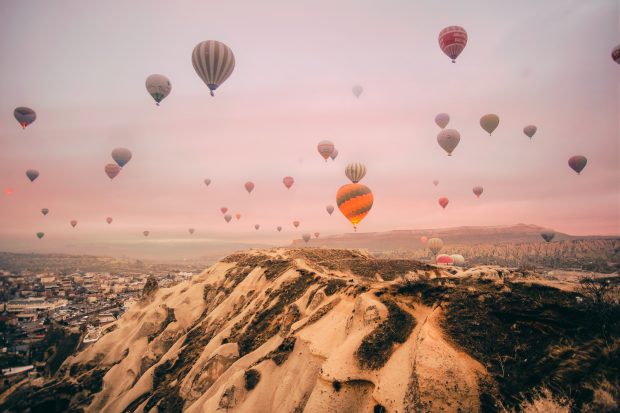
column 354, row 201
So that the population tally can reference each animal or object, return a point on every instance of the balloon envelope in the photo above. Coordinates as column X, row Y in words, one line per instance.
column 547, row 235
column 615, row 54
column 223, row 210
column 238, row 216
column 443, row 201
column 111, row 170
column 530, row 130
column 146, row 233
column 444, row 259
column 227, row 217
column 288, row 181
column 207, row 182
column 256, row 227
column 452, row 41
column 158, row 87
column 296, row 224
column 25, row 116
column 334, row 154
column 249, row 186
column 477, row 190
column 435, row 245
column 121, row 156
column 279, row 228
column 448, row 139
column 489, row 122
column 306, row 237
column 191, row 230
column 329, row 209
column 45, row 211
column 73, row 223
column 442, row 120
column 458, row 259
column 108, row 220
column 325, row 149
column 214, row 62
column 32, row 174
column 354, row 201
column 40, row 234
column 435, row 182
column 423, row 239
column 316, row 234
column 577, row 163
column 355, row 172
column 357, row 90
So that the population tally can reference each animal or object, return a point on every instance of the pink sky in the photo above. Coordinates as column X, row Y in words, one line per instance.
column 82, row 66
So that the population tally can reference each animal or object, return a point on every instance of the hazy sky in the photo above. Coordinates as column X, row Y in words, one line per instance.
column 81, row 65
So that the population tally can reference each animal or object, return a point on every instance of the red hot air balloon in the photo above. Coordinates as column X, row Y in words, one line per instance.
column 223, row 210
column 443, row 201
column 249, row 186
column 73, row 223
column 477, row 191
column 423, row 239
column 444, row 259
column 288, row 181
column 452, row 41
column 108, row 220
column 111, row 170
column 296, row 224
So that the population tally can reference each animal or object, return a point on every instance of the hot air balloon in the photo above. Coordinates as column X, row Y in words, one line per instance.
column 32, row 174
column 442, row 120
column 357, row 90
column 577, row 163
column 25, row 116
column 355, row 172
column 288, row 181
column 354, row 201
column 40, row 234
column 458, row 259
column 452, row 41
column 238, row 216
column 325, row 148
column 214, row 62
column 435, row 245
column 223, row 210
column 256, row 227
column 443, row 201
column 547, row 235
column 435, row 182
column 121, row 156
column 108, row 220
column 306, row 237
column 111, row 170
column 316, row 234
column 448, row 139
column 191, row 231
column 249, row 186
column 158, row 87
column 73, row 223
column 296, row 224
column 227, row 217
column 334, row 154
column 444, row 259
column 530, row 130
column 45, row 211
column 489, row 122
column 279, row 228
column 207, row 182
column 615, row 54
column 329, row 209
column 478, row 190
column 146, row 233
column 423, row 239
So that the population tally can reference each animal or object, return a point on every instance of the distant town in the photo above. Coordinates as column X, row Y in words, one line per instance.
column 52, row 304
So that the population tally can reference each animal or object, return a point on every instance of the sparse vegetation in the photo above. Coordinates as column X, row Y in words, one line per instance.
column 251, row 377
column 150, row 287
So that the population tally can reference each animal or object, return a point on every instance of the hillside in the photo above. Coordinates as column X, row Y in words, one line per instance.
column 321, row 330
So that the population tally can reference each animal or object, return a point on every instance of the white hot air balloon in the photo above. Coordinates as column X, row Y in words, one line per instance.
column 158, row 87
column 442, row 120
column 357, row 90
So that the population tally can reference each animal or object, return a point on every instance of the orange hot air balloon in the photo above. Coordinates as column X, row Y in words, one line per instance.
column 423, row 239
column 223, row 210
column 288, row 181
column 443, row 201
column 295, row 224
column 238, row 216
column 354, row 201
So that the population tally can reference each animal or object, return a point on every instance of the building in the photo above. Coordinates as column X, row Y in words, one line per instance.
column 34, row 304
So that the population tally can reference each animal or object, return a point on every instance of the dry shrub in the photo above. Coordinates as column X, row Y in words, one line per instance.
column 606, row 399
column 543, row 401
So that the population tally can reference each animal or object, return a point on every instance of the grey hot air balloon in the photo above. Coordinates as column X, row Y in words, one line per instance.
column 435, row 245
column 577, row 163
column 191, row 231
column 334, row 154
column 442, row 120
column 227, row 217
column 547, row 235
column 355, row 172
column 45, row 211
column 256, row 227
column 279, row 228
column 489, row 122
column 448, row 139
column 214, row 62
column 357, row 90
column 73, row 223
column 158, row 87
column 32, row 174
column 325, row 148
column 306, row 237
column 146, row 233
column 329, row 209
column 25, row 116
column 478, row 190
column 112, row 170
column 40, row 235
column 121, row 156
column 530, row 130
column 207, row 182
column 615, row 54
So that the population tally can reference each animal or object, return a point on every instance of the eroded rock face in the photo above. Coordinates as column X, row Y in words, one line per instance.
column 286, row 331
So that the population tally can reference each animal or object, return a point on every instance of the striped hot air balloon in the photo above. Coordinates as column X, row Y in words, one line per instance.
column 452, row 41
column 354, row 201
column 355, row 172
column 325, row 148
column 334, row 154
column 214, row 62
column 435, row 245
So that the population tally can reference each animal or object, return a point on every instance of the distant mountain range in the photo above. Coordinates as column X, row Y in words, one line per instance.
column 410, row 239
